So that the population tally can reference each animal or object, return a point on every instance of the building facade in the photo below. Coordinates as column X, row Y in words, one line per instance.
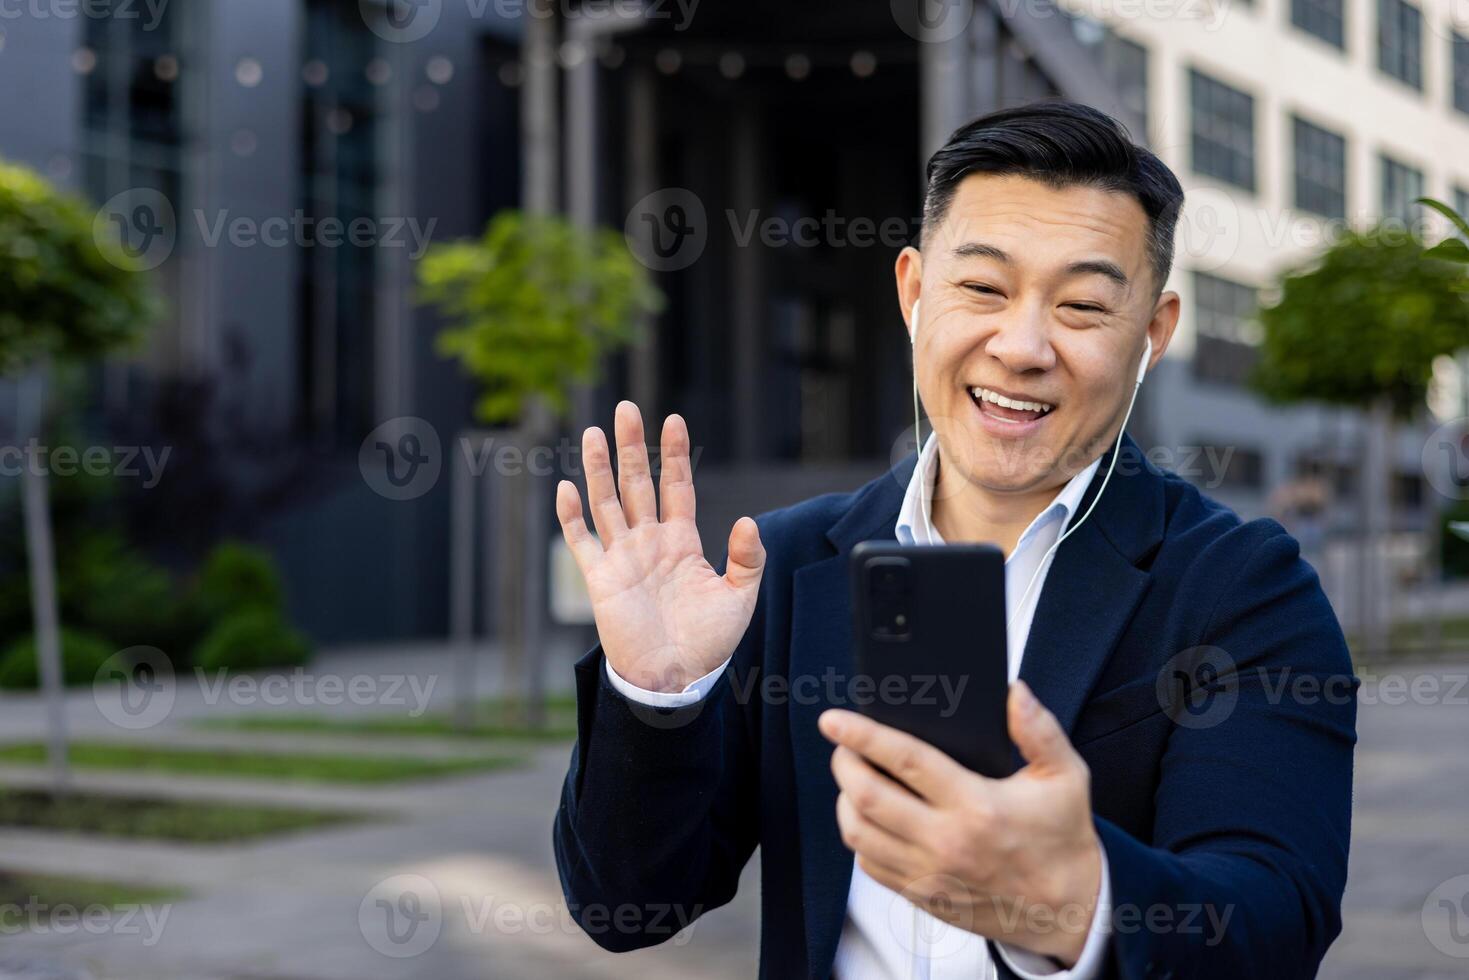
column 787, row 140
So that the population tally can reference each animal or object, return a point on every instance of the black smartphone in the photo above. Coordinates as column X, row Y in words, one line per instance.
column 929, row 635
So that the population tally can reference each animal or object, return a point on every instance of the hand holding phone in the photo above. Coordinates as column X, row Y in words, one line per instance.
column 929, row 630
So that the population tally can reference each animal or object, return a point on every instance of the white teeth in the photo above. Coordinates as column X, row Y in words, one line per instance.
column 984, row 394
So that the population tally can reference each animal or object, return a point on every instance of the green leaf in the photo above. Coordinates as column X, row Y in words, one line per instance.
column 1454, row 217
column 1449, row 250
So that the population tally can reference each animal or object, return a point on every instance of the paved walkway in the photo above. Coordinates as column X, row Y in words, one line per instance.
column 306, row 907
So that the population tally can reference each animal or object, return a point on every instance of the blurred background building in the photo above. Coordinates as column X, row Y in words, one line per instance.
column 785, row 355
column 765, row 162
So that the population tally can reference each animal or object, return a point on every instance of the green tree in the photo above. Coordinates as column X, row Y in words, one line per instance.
column 533, row 306
column 531, row 310
column 1361, row 326
column 68, row 293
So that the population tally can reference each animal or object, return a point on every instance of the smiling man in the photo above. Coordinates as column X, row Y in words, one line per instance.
column 1183, row 808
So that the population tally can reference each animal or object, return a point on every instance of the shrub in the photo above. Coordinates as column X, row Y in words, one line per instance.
column 251, row 639
column 235, row 577
column 82, row 655
column 109, row 588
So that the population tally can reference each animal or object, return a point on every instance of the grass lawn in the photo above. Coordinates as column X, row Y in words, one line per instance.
column 157, row 819
column 20, row 888
column 1453, row 632
column 1409, row 641
column 560, row 724
column 251, row 764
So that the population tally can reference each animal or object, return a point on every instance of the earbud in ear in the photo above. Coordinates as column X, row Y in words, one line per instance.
column 913, row 330
column 1142, row 367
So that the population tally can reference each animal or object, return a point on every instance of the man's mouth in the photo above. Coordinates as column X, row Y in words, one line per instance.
column 1005, row 408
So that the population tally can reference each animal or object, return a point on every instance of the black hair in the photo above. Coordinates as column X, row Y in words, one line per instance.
column 1061, row 144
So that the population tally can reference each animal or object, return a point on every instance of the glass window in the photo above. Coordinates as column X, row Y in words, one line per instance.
column 1123, row 62
column 1401, row 184
column 1223, row 130
column 1225, row 348
column 1244, row 468
column 342, row 124
column 1320, row 170
column 1323, row 18
column 1460, row 45
column 1400, row 41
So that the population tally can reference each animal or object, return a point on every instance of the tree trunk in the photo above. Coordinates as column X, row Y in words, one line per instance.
column 461, row 575
column 32, row 396
column 508, row 541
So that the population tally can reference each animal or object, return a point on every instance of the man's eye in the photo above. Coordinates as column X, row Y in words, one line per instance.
column 982, row 289
column 1087, row 307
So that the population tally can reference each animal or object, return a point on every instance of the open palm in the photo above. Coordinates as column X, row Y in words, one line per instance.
column 665, row 617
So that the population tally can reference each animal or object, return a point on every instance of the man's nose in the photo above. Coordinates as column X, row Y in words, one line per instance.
column 1023, row 343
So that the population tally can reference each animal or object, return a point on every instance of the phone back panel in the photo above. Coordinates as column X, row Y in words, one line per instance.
column 929, row 631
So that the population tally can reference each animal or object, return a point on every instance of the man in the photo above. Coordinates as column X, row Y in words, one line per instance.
column 1184, row 708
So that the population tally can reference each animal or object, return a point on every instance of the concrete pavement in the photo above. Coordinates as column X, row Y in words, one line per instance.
column 469, row 860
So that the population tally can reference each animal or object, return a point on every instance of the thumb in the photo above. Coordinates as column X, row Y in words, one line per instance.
column 746, row 555
column 1035, row 731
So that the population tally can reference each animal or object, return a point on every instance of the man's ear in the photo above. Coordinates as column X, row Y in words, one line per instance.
column 909, row 274
column 1164, row 322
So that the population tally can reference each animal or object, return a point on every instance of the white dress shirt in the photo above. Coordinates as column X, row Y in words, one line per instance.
column 880, row 929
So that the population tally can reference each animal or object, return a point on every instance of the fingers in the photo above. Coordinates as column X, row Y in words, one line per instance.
column 913, row 762
column 601, row 494
column 676, row 482
column 584, row 548
column 1035, row 731
column 746, row 555
column 634, row 479
column 874, row 843
column 877, row 798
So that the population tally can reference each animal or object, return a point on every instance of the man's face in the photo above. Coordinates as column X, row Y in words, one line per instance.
column 1036, row 302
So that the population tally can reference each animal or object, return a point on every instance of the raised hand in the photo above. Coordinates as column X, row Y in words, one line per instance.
column 664, row 616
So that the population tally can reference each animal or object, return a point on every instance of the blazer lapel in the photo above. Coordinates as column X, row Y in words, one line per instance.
column 821, row 649
column 1094, row 586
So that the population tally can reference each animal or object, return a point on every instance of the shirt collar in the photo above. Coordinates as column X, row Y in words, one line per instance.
column 916, row 513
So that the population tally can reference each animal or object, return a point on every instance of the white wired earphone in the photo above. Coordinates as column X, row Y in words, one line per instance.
column 1142, row 370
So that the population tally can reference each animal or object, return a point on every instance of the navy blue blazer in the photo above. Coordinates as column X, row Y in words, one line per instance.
column 1192, row 658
